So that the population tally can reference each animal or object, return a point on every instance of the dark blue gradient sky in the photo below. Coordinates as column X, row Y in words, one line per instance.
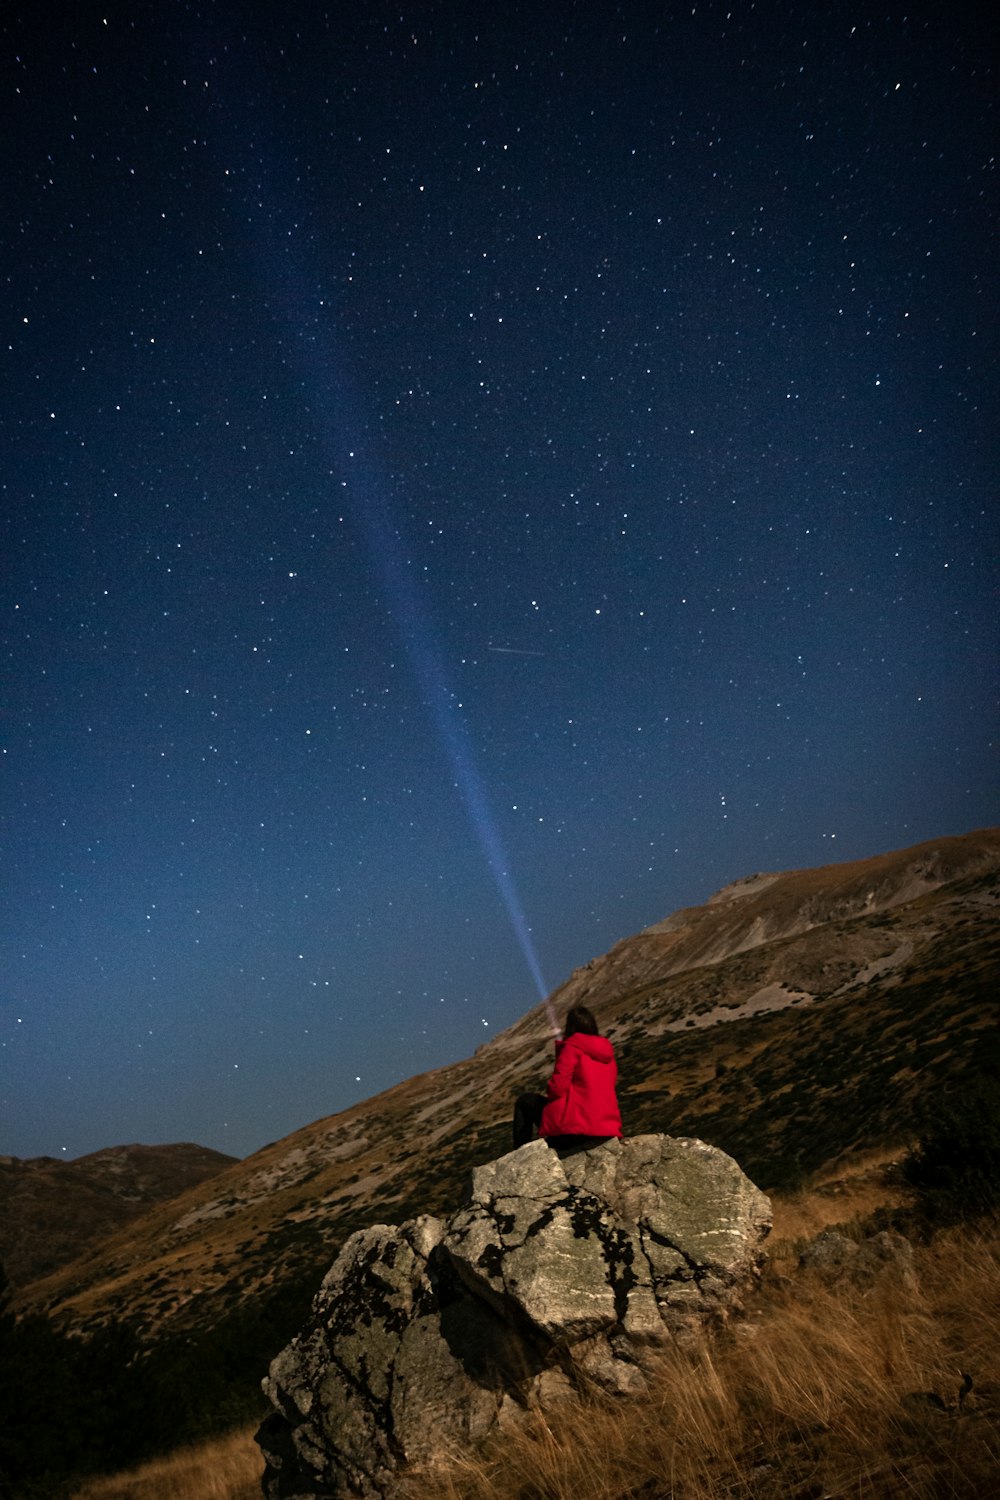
column 474, row 479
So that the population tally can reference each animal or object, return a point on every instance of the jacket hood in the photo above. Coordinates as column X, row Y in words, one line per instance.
column 596, row 1047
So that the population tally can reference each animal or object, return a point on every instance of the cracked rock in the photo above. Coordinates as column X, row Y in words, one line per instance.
column 555, row 1274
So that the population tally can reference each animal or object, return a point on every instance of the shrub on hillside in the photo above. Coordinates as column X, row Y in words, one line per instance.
column 955, row 1167
column 69, row 1405
column 73, row 1406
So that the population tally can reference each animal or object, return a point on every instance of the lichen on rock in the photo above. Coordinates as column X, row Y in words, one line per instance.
column 555, row 1274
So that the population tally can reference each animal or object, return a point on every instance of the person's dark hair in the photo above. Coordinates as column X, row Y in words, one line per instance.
column 579, row 1018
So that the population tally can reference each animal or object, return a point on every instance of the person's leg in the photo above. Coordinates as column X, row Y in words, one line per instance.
column 527, row 1117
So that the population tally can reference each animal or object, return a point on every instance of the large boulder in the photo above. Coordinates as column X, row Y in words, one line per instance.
column 558, row 1273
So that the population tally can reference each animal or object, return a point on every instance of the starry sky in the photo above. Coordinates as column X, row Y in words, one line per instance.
column 475, row 478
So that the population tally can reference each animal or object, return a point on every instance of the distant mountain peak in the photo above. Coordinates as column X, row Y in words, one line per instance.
column 51, row 1210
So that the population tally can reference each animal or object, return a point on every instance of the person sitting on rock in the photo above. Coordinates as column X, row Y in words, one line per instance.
column 580, row 1107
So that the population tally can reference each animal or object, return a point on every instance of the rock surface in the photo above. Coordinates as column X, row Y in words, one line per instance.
column 883, row 1256
column 556, row 1273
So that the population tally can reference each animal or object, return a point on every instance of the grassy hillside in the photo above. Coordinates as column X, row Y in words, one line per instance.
column 824, row 1389
column 787, row 1091
column 793, row 1020
column 803, row 1022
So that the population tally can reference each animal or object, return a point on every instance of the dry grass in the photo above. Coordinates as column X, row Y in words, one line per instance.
column 824, row 1392
column 846, row 1195
column 229, row 1468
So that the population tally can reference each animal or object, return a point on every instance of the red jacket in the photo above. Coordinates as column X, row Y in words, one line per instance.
column 582, row 1099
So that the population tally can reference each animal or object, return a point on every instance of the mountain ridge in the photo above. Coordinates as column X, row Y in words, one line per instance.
column 47, row 1204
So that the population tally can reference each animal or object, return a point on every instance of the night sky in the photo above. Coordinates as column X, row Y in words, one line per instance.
column 475, row 478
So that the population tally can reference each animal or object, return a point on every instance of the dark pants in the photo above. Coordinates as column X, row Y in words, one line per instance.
column 528, row 1118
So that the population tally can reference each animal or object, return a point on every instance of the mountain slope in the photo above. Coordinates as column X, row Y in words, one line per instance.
column 792, row 1020
column 51, row 1210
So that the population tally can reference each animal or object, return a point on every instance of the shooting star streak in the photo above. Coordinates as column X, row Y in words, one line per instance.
column 514, row 651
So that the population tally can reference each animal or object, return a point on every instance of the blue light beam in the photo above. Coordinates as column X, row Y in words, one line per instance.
column 286, row 281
